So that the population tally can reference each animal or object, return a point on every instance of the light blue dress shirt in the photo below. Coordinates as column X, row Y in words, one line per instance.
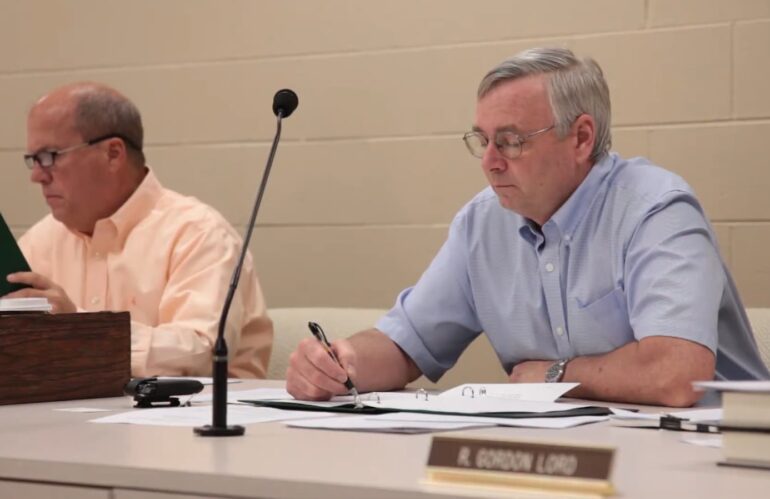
column 629, row 255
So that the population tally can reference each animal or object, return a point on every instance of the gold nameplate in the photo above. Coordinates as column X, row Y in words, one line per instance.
column 577, row 469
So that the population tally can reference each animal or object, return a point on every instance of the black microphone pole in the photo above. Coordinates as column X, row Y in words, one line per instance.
column 284, row 103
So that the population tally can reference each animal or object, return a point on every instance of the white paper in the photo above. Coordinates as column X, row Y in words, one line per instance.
column 279, row 394
column 465, row 405
column 25, row 305
column 199, row 416
column 419, row 401
column 733, row 386
column 234, row 396
column 626, row 414
column 415, row 422
column 82, row 409
column 539, row 392
column 374, row 423
column 696, row 415
column 560, row 422
column 714, row 441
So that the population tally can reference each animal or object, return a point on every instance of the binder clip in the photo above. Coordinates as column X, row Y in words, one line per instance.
column 154, row 392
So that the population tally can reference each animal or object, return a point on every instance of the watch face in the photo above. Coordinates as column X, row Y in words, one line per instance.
column 555, row 372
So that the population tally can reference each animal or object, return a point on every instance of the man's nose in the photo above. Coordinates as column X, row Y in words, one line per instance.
column 39, row 175
column 492, row 160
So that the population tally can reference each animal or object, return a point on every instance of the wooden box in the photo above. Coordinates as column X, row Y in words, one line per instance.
column 63, row 357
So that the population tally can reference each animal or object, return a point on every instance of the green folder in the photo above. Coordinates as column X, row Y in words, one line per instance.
column 11, row 259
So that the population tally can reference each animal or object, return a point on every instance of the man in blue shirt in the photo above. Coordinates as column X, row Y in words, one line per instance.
column 579, row 266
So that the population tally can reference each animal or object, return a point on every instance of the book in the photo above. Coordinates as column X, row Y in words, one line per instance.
column 746, row 429
column 11, row 259
column 746, row 447
column 746, row 409
column 746, row 421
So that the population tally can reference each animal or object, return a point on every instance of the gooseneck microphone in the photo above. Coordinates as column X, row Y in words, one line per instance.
column 284, row 103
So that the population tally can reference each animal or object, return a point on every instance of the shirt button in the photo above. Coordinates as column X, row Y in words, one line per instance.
column 94, row 300
column 559, row 330
column 549, row 267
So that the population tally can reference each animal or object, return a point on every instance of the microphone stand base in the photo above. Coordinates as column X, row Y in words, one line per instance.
column 220, row 431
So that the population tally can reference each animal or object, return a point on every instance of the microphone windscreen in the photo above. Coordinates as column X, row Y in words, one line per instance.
column 285, row 102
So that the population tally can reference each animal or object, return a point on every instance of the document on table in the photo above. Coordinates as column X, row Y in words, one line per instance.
column 407, row 422
column 376, row 423
column 537, row 392
column 201, row 415
column 506, row 401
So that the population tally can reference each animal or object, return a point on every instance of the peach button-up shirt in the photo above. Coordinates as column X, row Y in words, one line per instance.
column 168, row 260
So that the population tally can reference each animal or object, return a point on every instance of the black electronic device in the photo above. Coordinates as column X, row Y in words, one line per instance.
column 284, row 103
column 154, row 392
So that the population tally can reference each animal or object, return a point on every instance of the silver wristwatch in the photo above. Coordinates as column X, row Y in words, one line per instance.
column 555, row 373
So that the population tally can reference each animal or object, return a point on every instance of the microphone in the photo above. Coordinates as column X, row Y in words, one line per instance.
column 284, row 103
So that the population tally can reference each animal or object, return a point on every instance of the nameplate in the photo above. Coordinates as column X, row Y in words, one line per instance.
column 521, row 464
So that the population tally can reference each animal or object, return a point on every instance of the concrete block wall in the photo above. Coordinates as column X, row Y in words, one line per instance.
column 372, row 167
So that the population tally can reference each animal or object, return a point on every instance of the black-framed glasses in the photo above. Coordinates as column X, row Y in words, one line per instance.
column 46, row 159
column 507, row 142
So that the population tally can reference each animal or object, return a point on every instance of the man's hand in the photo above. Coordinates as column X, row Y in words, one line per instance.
column 530, row 371
column 313, row 374
column 42, row 287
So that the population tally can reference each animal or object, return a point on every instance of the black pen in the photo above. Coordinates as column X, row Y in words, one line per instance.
column 318, row 332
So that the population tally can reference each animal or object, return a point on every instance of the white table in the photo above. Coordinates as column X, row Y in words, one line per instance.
column 47, row 453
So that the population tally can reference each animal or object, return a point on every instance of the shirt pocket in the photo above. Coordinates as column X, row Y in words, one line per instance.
column 601, row 325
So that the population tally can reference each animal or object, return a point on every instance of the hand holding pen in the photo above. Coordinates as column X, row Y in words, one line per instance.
column 318, row 332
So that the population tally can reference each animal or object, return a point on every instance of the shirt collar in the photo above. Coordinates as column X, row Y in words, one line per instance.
column 568, row 216
column 133, row 211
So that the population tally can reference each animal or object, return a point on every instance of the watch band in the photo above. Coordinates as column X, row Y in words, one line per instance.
column 555, row 372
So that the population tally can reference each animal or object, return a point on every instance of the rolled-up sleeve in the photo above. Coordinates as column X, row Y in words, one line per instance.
column 435, row 320
column 675, row 277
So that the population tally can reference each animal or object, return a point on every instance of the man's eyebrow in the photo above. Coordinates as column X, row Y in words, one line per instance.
column 509, row 128
column 506, row 128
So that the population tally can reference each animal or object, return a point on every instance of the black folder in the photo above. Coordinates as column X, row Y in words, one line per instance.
column 11, row 259
column 370, row 410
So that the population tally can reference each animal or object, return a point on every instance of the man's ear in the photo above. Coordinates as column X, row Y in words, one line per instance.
column 585, row 137
column 116, row 152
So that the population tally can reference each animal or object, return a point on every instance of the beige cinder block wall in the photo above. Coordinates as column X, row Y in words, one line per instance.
column 372, row 168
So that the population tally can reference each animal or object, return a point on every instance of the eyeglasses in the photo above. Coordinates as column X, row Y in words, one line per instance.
column 46, row 159
column 508, row 143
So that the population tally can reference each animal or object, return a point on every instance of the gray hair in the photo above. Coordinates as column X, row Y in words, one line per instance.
column 100, row 110
column 574, row 87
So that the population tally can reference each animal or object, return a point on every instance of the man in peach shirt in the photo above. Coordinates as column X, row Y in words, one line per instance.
column 117, row 240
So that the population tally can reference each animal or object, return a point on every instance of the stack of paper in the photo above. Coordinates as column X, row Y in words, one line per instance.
column 525, row 405
column 25, row 305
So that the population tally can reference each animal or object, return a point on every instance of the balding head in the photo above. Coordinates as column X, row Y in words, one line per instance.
column 97, row 110
column 92, row 135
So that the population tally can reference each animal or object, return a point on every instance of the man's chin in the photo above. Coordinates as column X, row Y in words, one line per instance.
column 59, row 215
column 506, row 203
